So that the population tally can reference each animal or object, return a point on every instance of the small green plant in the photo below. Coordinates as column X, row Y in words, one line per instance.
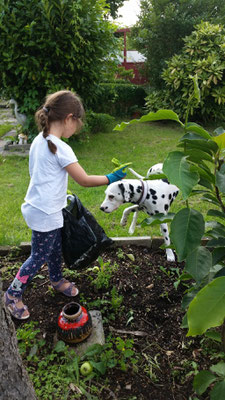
column 104, row 274
column 116, row 300
column 215, row 375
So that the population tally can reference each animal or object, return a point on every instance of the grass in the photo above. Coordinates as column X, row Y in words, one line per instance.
column 141, row 144
column 5, row 128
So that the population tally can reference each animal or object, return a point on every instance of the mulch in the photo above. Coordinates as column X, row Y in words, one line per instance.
column 150, row 315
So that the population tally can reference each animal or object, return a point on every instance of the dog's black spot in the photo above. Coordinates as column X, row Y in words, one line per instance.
column 150, row 170
column 152, row 191
column 155, row 197
column 166, row 207
column 164, row 230
column 166, row 238
column 148, row 196
column 156, row 212
column 171, row 201
column 170, row 196
column 166, row 181
column 131, row 190
column 154, row 202
column 121, row 186
column 139, row 189
column 163, row 196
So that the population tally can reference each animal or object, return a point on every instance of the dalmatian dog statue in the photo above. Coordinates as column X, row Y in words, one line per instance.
column 150, row 196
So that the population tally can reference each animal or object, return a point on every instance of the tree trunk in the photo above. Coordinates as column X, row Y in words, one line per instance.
column 14, row 381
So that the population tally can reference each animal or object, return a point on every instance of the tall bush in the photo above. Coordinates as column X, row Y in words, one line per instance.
column 119, row 99
column 203, row 54
column 49, row 45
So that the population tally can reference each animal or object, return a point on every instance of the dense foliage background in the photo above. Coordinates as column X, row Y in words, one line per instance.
column 49, row 45
column 163, row 24
column 202, row 56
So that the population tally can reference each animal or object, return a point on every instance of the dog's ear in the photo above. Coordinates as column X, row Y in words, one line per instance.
column 124, row 187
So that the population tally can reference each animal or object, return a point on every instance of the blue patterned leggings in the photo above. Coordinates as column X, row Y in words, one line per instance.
column 45, row 248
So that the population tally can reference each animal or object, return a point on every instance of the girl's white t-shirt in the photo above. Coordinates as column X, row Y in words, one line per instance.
column 47, row 191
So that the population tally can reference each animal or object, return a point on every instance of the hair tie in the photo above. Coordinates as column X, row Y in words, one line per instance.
column 46, row 109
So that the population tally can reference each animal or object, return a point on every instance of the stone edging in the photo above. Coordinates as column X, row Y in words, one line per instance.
column 142, row 241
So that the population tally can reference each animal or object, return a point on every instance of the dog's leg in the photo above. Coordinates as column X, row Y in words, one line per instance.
column 165, row 232
column 133, row 223
column 126, row 213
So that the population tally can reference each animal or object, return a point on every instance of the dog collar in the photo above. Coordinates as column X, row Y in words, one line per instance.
column 144, row 192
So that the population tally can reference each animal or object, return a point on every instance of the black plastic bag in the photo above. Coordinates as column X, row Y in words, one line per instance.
column 83, row 239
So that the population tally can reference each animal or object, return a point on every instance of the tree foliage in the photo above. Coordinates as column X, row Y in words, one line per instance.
column 49, row 45
column 163, row 24
column 114, row 5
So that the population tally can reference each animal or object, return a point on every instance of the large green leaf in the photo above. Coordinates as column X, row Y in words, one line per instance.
column 187, row 229
column 197, row 155
column 218, row 369
column 220, row 242
column 198, row 263
column 208, row 146
column 218, row 255
column 207, row 309
column 220, row 179
column 151, row 116
column 216, row 213
column 195, row 128
column 220, row 140
column 218, row 391
column 202, row 381
column 158, row 219
column 179, row 173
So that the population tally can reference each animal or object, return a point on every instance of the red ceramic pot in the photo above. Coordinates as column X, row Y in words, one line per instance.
column 74, row 323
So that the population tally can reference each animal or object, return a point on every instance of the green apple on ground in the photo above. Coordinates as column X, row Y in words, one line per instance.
column 86, row 368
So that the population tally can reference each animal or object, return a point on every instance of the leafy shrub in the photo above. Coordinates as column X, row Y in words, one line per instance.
column 157, row 99
column 118, row 98
column 98, row 122
column 202, row 55
column 50, row 45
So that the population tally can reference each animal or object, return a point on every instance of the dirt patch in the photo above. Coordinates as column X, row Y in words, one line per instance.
column 150, row 314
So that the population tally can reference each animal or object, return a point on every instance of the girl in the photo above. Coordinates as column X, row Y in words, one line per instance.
column 50, row 162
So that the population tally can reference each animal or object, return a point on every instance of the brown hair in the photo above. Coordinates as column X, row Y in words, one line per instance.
column 56, row 108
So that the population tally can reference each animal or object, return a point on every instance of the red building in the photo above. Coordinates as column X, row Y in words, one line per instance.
column 132, row 59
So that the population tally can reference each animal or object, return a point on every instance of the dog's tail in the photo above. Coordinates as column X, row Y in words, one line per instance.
column 136, row 174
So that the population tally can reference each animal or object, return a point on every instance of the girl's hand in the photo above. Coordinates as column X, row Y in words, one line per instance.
column 117, row 175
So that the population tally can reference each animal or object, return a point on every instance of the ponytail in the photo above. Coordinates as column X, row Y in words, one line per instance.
column 42, row 120
column 57, row 106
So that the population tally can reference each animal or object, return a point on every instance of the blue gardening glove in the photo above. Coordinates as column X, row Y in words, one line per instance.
column 116, row 176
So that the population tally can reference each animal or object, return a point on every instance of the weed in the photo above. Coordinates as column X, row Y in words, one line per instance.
column 116, row 300
column 150, row 366
column 10, row 271
column 104, row 274
column 130, row 316
column 120, row 254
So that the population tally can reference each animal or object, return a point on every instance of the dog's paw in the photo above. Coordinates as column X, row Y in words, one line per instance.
column 123, row 221
column 131, row 230
column 170, row 255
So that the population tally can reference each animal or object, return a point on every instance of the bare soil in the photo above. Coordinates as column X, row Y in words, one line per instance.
column 150, row 314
